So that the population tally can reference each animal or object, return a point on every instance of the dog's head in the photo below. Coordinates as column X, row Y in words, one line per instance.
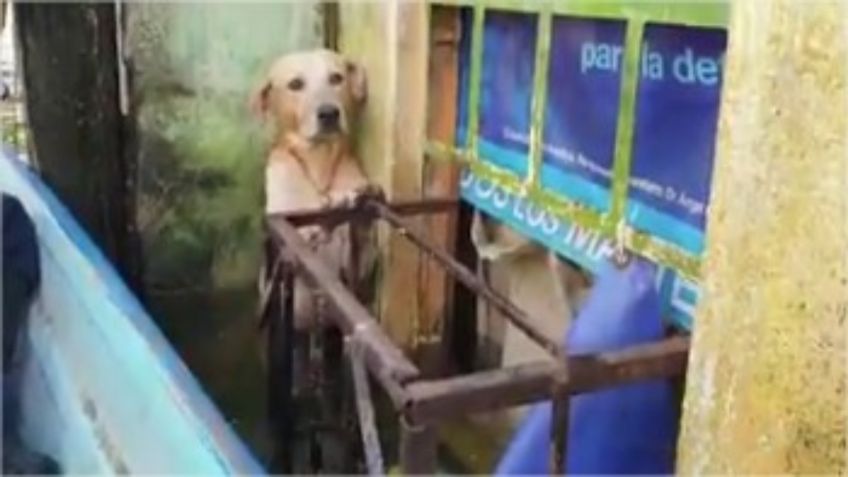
column 315, row 94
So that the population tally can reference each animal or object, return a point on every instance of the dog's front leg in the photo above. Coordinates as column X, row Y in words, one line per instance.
column 366, row 191
column 315, row 235
column 361, row 260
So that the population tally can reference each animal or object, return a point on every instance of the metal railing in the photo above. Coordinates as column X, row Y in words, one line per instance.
column 421, row 403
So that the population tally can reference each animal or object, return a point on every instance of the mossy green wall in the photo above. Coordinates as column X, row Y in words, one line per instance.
column 200, row 163
column 201, row 152
column 766, row 385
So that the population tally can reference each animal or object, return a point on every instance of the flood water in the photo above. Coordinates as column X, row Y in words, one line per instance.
column 216, row 335
column 220, row 342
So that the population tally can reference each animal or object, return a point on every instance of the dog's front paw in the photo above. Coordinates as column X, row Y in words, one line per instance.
column 315, row 236
column 371, row 191
column 355, row 197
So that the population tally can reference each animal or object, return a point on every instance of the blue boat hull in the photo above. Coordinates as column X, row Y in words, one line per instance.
column 103, row 391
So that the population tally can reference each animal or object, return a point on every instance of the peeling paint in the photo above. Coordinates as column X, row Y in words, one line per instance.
column 110, row 450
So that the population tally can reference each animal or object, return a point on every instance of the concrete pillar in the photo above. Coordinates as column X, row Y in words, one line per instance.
column 766, row 388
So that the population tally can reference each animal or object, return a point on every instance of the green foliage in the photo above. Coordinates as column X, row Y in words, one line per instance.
column 14, row 135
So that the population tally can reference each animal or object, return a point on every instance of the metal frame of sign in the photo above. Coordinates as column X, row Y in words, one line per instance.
column 611, row 225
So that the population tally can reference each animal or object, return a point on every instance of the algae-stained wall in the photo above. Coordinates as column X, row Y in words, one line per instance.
column 766, row 386
column 200, row 150
column 200, row 158
column 364, row 37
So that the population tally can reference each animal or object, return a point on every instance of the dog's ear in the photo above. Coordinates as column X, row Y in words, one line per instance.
column 358, row 81
column 259, row 99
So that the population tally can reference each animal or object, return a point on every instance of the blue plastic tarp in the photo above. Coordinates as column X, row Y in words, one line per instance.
column 629, row 429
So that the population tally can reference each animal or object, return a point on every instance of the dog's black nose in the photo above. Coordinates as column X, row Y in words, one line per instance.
column 328, row 116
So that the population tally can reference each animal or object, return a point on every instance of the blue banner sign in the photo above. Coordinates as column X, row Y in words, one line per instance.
column 679, row 85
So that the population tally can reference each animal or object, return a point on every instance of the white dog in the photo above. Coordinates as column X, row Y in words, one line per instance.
column 314, row 98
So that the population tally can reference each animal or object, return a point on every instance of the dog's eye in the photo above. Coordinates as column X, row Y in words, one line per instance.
column 336, row 78
column 296, row 84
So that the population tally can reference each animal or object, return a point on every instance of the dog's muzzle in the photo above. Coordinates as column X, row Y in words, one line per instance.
column 329, row 118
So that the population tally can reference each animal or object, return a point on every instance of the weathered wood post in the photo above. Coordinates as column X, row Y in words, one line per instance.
column 766, row 385
column 391, row 40
column 70, row 73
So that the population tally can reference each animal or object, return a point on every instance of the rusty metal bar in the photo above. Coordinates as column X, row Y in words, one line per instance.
column 469, row 279
column 418, row 448
column 423, row 403
column 525, row 383
column 559, row 433
column 365, row 411
column 334, row 215
column 560, row 413
column 280, row 352
column 385, row 361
